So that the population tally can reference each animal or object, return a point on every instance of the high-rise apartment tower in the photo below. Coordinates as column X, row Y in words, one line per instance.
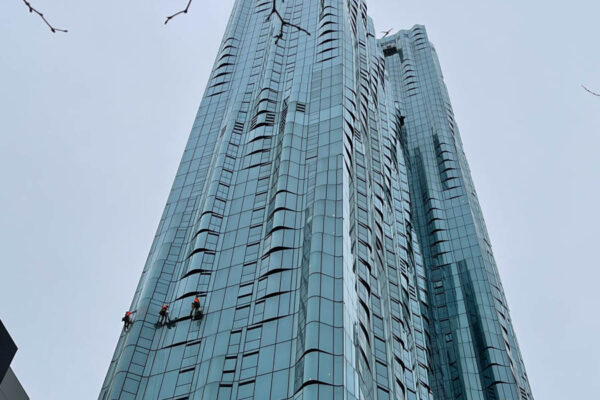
column 324, row 215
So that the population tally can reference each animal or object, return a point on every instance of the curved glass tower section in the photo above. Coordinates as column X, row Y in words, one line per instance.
column 324, row 215
column 475, row 354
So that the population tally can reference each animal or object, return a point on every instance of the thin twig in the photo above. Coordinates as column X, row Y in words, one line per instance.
column 386, row 33
column 33, row 10
column 283, row 22
column 184, row 11
column 589, row 91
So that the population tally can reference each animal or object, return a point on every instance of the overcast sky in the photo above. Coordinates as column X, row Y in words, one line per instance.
column 93, row 124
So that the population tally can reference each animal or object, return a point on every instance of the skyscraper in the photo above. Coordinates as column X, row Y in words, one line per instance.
column 474, row 351
column 324, row 214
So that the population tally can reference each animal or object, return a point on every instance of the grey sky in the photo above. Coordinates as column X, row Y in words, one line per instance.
column 93, row 123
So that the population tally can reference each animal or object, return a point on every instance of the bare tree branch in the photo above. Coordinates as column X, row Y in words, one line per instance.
column 386, row 33
column 274, row 11
column 184, row 11
column 33, row 10
column 283, row 22
column 589, row 91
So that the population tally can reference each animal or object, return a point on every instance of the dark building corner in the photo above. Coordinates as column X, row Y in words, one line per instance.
column 10, row 387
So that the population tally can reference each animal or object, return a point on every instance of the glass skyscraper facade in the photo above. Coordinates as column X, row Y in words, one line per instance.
column 324, row 214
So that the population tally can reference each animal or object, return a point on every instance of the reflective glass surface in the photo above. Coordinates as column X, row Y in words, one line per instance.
column 324, row 214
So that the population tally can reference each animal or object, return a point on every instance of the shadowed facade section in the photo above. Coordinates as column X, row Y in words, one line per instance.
column 475, row 354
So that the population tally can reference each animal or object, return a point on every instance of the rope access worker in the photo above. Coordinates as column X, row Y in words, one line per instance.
column 195, row 308
column 163, row 314
column 127, row 320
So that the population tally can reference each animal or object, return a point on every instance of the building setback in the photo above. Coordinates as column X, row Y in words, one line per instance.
column 474, row 350
column 324, row 214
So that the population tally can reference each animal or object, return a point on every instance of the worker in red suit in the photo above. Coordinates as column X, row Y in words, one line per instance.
column 195, row 308
column 163, row 314
column 127, row 320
